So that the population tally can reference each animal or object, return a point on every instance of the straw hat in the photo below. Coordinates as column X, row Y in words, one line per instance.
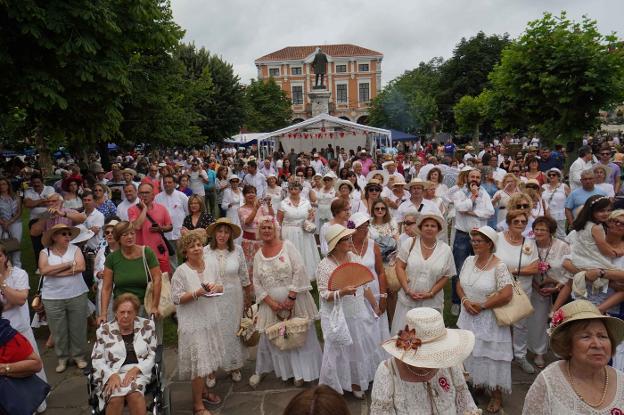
column 112, row 223
column 330, row 175
column 358, row 219
column 554, row 169
column 385, row 164
column 487, row 232
column 581, row 310
column 533, row 182
column 426, row 343
column 84, row 235
column 46, row 240
column 398, row 181
column 421, row 218
column 236, row 230
column 467, row 168
column 382, row 173
column 469, row 148
column 339, row 183
column 416, row 182
column 129, row 171
column 334, row 234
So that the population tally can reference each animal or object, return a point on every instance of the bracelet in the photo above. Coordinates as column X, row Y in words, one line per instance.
column 384, row 295
column 464, row 299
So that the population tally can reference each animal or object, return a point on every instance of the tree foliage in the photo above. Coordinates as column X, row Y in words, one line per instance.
column 471, row 113
column 557, row 76
column 267, row 107
column 408, row 102
column 466, row 72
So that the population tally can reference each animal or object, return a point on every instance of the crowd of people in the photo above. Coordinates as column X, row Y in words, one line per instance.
column 210, row 233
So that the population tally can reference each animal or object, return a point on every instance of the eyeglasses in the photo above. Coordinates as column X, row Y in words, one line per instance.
column 553, row 175
column 374, row 189
column 618, row 222
column 108, row 232
column 532, row 186
column 380, row 209
column 523, row 206
column 519, row 222
column 64, row 233
column 605, row 154
column 145, row 193
column 409, row 223
column 515, row 171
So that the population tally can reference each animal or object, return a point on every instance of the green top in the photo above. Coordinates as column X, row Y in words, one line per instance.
column 129, row 274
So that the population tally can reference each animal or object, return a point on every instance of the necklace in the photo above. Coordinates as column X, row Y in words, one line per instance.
column 361, row 250
column 513, row 240
column 429, row 247
column 482, row 269
column 424, row 374
column 604, row 390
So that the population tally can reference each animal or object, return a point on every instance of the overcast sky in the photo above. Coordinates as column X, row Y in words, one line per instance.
column 405, row 31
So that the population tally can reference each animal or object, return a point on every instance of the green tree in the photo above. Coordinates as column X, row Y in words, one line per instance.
column 556, row 77
column 466, row 72
column 267, row 107
column 471, row 113
column 223, row 112
column 66, row 64
column 408, row 102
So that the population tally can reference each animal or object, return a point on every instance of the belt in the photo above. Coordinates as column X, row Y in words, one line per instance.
column 249, row 235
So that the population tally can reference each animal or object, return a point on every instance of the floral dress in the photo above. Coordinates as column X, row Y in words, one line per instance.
column 108, row 209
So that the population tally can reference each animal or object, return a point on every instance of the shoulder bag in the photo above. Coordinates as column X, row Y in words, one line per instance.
column 22, row 396
column 519, row 307
column 392, row 281
column 247, row 331
column 165, row 306
column 338, row 330
column 10, row 243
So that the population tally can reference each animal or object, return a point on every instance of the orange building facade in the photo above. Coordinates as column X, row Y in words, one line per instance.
column 353, row 78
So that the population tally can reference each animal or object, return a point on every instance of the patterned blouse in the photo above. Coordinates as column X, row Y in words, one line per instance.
column 108, row 209
column 205, row 219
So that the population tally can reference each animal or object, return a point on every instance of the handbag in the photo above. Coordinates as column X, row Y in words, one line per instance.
column 392, row 280
column 288, row 334
column 10, row 243
column 247, row 331
column 338, row 332
column 22, row 396
column 165, row 306
column 308, row 226
column 519, row 307
column 37, row 304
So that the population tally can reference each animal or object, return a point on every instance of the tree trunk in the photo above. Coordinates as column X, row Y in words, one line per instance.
column 102, row 148
column 45, row 159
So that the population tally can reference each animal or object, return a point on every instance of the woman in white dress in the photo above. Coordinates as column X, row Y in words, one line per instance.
column 232, row 202
column 228, row 260
column 424, row 375
column 351, row 367
column 369, row 255
column 340, row 210
column 521, row 257
column 324, row 196
column 294, row 210
column 200, row 344
column 485, row 283
column 554, row 193
column 509, row 186
column 424, row 266
column 282, row 290
column 273, row 191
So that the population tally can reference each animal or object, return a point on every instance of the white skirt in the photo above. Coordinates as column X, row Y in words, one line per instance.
column 306, row 245
column 302, row 363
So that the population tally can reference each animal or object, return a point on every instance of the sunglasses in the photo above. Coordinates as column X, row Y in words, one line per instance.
column 64, row 233
column 523, row 206
column 380, row 209
column 553, row 175
column 374, row 189
column 108, row 232
column 409, row 223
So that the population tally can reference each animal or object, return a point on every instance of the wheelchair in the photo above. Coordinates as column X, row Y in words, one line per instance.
column 156, row 393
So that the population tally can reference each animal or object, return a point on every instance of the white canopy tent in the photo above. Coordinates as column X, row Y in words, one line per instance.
column 243, row 139
column 319, row 131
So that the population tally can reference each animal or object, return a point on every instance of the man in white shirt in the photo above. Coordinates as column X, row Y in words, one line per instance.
column 361, row 179
column 176, row 203
column 255, row 178
column 469, row 154
column 391, row 168
column 473, row 208
column 417, row 201
column 37, row 199
column 130, row 199
column 342, row 159
column 267, row 168
column 317, row 164
column 197, row 178
column 583, row 162
column 94, row 222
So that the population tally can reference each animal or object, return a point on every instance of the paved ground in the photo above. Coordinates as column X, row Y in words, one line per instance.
column 69, row 397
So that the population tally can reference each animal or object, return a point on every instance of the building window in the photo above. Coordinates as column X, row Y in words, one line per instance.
column 364, row 92
column 296, row 70
column 274, row 72
column 297, row 94
column 341, row 93
column 341, row 68
column 363, row 67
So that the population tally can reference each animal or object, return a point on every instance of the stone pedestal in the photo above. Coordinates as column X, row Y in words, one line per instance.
column 320, row 101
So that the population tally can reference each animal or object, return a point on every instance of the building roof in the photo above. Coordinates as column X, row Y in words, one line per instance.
column 302, row 52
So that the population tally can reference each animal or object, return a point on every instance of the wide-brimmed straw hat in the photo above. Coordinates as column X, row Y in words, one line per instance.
column 110, row 224
column 425, row 342
column 129, row 171
column 46, row 240
column 382, row 173
column 581, row 310
column 334, row 234
column 416, row 182
column 398, row 181
column 421, row 218
column 236, row 230
column 83, row 235
column 339, row 183
column 487, row 232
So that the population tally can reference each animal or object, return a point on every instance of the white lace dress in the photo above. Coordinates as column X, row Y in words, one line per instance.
column 275, row 277
column 200, row 345
column 276, row 195
column 445, row 394
column 232, row 271
column 489, row 364
column 551, row 394
column 324, row 199
column 356, row 364
column 292, row 230
column 422, row 275
column 233, row 199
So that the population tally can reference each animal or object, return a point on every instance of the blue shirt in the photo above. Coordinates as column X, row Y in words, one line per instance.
column 579, row 196
column 212, row 179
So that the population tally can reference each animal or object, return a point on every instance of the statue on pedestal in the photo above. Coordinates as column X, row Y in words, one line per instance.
column 319, row 65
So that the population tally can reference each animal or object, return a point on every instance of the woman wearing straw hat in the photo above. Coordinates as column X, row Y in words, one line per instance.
column 352, row 367
column 64, row 294
column 194, row 286
column 424, row 374
column 485, row 283
column 282, row 289
column 581, row 383
column 424, row 265
column 228, row 260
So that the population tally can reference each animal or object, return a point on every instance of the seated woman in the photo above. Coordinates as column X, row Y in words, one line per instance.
column 123, row 358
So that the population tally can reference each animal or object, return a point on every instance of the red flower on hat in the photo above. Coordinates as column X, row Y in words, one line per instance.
column 617, row 411
column 407, row 339
column 557, row 318
column 444, row 384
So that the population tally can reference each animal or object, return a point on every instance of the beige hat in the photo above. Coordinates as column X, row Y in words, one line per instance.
column 425, row 342
column 330, row 175
column 533, row 182
column 83, row 235
column 46, row 240
column 469, row 148
column 339, row 184
column 398, row 181
column 416, row 182
column 487, row 232
column 373, row 173
column 388, row 163
column 437, row 218
column 130, row 171
column 236, row 230
column 334, row 234
column 110, row 224
column 581, row 310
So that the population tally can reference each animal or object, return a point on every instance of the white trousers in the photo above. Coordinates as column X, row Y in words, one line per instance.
column 538, row 323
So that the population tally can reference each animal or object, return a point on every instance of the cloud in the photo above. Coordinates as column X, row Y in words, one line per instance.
column 405, row 31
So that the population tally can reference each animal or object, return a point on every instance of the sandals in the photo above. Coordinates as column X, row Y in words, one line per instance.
column 495, row 405
column 211, row 398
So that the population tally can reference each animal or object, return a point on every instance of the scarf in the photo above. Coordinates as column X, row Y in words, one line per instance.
column 6, row 331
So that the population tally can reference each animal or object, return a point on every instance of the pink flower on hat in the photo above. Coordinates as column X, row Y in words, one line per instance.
column 557, row 318
column 617, row 411
column 444, row 384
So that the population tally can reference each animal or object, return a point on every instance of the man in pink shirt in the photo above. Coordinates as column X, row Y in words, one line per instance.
column 153, row 178
column 147, row 233
column 367, row 162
